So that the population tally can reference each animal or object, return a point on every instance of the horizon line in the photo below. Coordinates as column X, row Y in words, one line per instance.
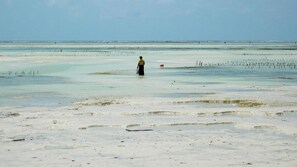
column 148, row 41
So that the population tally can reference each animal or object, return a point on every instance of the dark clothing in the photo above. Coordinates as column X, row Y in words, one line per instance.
column 141, row 67
column 141, row 70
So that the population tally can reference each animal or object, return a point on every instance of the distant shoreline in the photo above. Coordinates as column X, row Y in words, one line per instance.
column 147, row 41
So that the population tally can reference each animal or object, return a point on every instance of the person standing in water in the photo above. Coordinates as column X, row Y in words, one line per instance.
column 140, row 66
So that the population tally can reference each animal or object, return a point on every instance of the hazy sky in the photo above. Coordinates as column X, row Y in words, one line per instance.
column 148, row 20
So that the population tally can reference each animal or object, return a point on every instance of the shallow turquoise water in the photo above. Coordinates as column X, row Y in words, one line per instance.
column 55, row 74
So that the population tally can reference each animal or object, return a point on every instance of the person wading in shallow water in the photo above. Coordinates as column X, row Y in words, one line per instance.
column 140, row 66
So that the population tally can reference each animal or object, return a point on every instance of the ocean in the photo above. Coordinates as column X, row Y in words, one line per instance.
column 60, row 73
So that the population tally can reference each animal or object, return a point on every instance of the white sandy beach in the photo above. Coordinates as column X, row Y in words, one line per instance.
column 123, row 132
column 82, row 110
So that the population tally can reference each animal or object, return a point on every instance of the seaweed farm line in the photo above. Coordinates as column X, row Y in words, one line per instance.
column 261, row 63
column 21, row 73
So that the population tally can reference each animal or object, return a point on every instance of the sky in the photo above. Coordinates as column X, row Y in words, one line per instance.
column 147, row 20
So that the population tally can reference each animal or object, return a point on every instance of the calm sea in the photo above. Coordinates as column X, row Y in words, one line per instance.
column 60, row 73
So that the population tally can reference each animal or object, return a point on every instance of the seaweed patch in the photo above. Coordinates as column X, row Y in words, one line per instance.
column 96, row 101
column 104, row 73
column 230, row 113
column 6, row 115
column 264, row 127
column 239, row 103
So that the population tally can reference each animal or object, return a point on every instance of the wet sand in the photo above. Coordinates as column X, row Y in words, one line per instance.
column 112, row 131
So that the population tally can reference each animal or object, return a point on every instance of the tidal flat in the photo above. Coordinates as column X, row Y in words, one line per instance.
column 199, row 104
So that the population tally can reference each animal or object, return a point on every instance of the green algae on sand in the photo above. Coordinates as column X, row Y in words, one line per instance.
column 239, row 103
